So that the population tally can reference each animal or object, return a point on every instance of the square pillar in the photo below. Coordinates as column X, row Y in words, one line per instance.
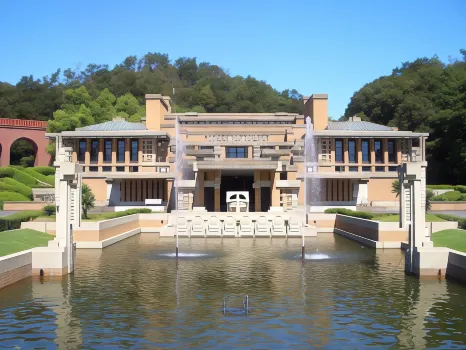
column 127, row 154
column 257, row 190
column 87, row 155
column 275, row 176
column 217, row 183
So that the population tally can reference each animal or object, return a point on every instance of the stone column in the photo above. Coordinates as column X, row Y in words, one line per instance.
column 257, row 190
column 217, row 184
column 275, row 176
column 87, row 155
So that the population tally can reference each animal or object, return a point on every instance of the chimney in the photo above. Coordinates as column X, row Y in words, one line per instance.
column 156, row 108
column 316, row 107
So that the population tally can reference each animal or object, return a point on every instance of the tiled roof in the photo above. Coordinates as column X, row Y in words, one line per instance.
column 357, row 126
column 114, row 125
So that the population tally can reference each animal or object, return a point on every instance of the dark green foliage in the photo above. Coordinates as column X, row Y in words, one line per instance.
column 12, row 197
column 349, row 212
column 425, row 95
column 27, row 161
column 198, row 86
column 460, row 188
column 447, row 217
column 11, row 185
column 132, row 211
column 7, row 172
column 441, row 187
column 45, row 170
column 453, row 196
column 50, row 210
column 13, row 222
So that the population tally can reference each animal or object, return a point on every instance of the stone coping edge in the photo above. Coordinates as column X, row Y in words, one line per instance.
column 108, row 241
column 368, row 242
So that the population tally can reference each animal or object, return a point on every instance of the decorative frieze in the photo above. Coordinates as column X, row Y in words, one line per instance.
column 236, row 138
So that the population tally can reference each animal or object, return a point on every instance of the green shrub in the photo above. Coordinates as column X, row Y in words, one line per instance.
column 12, row 197
column 460, row 188
column 453, row 196
column 349, row 212
column 41, row 177
column 441, row 187
column 131, row 212
column 12, row 222
column 11, row 185
column 50, row 210
column 27, row 161
column 448, row 217
column 45, row 170
column 7, row 172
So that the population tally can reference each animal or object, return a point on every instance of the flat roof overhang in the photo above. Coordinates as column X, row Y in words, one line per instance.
column 369, row 134
column 125, row 175
column 236, row 164
column 349, row 175
column 109, row 134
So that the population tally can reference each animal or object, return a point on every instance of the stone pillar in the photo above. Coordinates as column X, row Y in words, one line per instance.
column 87, row 155
column 257, row 190
column 114, row 153
column 217, row 184
column 275, row 176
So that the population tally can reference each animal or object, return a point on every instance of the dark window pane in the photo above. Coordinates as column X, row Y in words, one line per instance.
column 391, row 151
column 93, row 168
column 378, row 151
column 339, row 151
column 352, row 151
column 94, row 151
column 134, row 150
column 120, row 168
column 106, row 168
column 236, row 152
column 366, row 168
column 365, row 151
column 82, row 150
column 108, row 151
column 121, row 151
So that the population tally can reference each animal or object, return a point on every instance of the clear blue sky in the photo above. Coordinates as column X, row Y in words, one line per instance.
column 332, row 47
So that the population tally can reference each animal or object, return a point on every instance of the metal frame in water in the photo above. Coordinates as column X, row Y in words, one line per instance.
column 236, row 311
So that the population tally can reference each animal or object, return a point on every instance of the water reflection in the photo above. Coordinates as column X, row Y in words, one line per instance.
column 131, row 295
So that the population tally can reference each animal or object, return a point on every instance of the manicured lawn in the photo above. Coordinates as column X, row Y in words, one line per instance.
column 453, row 239
column 18, row 240
column 395, row 217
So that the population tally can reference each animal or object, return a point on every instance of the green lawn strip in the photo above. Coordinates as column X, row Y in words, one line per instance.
column 23, row 239
column 453, row 239
column 395, row 217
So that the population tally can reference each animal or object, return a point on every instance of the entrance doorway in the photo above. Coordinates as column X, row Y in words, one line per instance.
column 236, row 183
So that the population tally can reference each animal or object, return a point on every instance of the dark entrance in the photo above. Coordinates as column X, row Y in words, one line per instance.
column 236, row 183
column 209, row 195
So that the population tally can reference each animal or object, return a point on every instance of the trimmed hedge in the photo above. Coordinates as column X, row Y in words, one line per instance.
column 448, row 217
column 12, row 197
column 11, row 185
column 7, row 172
column 27, row 161
column 50, row 210
column 460, row 188
column 441, row 187
column 45, row 170
column 19, row 175
column 453, row 196
column 41, row 177
column 349, row 212
column 13, row 222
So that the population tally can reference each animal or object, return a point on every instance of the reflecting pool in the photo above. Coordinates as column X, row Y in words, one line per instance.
column 136, row 294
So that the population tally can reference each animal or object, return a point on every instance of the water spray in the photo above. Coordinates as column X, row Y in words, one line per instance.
column 302, row 248
column 177, row 245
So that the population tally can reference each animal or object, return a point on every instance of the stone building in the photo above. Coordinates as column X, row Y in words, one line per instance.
column 135, row 164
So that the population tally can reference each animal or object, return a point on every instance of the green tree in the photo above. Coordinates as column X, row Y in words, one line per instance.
column 207, row 98
column 396, row 188
column 88, row 199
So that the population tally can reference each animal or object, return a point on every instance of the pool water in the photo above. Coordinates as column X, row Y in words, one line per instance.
column 135, row 294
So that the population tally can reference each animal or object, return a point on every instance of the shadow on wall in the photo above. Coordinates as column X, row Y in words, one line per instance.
column 171, row 202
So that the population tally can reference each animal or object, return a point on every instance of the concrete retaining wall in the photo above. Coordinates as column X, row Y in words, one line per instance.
column 373, row 230
column 443, row 225
column 323, row 222
column 447, row 206
column 19, row 206
column 15, row 267
column 456, row 266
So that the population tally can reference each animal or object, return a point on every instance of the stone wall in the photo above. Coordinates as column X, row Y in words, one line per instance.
column 447, row 206
column 15, row 267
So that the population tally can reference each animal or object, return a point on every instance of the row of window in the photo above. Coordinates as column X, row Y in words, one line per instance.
column 365, row 151
column 120, row 150
column 232, row 122
column 133, row 169
column 365, row 168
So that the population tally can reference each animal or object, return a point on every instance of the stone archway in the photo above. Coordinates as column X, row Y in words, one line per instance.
column 23, row 151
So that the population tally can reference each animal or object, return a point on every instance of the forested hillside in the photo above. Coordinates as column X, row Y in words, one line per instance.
column 426, row 95
column 199, row 87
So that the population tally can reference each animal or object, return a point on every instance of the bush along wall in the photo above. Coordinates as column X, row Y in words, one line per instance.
column 461, row 221
column 13, row 222
column 349, row 212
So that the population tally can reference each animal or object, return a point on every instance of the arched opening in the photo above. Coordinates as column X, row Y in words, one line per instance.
column 23, row 152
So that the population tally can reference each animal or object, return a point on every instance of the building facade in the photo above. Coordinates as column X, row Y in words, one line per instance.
column 205, row 155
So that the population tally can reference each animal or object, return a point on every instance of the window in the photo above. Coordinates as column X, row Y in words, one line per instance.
column 237, row 152
column 340, row 168
column 82, row 150
column 379, row 168
column 283, row 175
column 366, row 168
column 391, row 151
column 366, row 158
column 94, row 151
column 339, row 151
column 106, row 168
column 120, row 168
column 353, row 157
column 133, row 169
column 134, row 150
column 93, row 168
column 108, row 151
column 392, row 168
column 353, row 168
column 121, row 151
column 148, row 150
column 378, row 151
